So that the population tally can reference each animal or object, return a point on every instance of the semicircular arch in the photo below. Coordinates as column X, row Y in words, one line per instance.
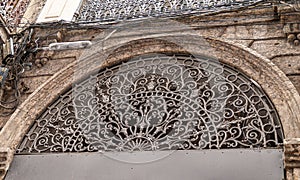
column 276, row 85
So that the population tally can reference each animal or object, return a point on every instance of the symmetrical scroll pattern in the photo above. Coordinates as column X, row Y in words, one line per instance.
column 12, row 11
column 114, row 10
column 158, row 102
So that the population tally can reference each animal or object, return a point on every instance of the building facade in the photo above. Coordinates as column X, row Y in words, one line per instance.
column 150, row 84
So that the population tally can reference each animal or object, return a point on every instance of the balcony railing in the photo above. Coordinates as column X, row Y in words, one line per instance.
column 12, row 11
column 114, row 10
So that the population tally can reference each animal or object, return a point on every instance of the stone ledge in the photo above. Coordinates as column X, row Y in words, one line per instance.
column 292, row 153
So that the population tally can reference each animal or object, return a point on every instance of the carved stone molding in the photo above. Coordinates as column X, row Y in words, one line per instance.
column 292, row 153
column 292, row 31
column 291, row 27
column 5, row 160
column 273, row 81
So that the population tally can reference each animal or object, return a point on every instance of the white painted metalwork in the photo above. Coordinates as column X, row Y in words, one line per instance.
column 12, row 11
column 114, row 10
column 160, row 102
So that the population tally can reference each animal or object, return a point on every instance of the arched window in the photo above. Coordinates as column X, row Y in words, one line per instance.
column 158, row 102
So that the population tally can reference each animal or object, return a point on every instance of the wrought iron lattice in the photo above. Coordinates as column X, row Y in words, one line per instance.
column 158, row 102
column 114, row 10
column 12, row 11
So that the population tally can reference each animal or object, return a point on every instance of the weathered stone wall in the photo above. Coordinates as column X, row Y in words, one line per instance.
column 260, row 30
column 292, row 158
column 263, row 31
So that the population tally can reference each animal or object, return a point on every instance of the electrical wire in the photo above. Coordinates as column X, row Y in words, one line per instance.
column 16, row 62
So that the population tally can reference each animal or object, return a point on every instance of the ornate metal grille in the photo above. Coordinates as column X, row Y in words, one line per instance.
column 12, row 11
column 158, row 102
column 114, row 10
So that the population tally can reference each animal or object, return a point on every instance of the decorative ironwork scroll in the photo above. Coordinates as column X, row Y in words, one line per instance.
column 114, row 10
column 158, row 102
column 12, row 11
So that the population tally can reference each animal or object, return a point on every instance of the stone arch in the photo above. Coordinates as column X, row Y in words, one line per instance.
column 189, row 102
column 276, row 85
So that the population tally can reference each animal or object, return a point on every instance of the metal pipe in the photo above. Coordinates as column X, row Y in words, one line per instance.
column 11, row 42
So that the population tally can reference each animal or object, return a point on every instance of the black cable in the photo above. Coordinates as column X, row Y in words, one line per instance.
column 23, row 49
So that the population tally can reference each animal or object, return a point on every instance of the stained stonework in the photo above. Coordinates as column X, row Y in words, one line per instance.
column 3, row 160
column 254, row 41
column 295, row 80
column 288, row 64
column 292, row 158
column 258, row 29
column 6, row 156
column 292, row 153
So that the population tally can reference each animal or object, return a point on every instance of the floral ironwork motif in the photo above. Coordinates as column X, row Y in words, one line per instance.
column 114, row 10
column 12, row 11
column 158, row 102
